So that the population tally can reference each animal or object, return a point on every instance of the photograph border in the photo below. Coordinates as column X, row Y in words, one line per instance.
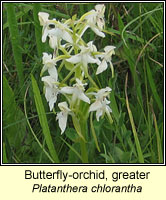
column 79, row 164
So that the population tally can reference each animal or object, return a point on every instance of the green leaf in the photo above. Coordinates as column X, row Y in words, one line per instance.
column 13, row 130
column 71, row 134
column 43, row 120
column 137, row 143
column 73, row 152
column 69, row 66
column 16, row 42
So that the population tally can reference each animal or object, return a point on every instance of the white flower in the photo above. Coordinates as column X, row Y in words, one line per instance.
column 100, row 9
column 77, row 91
column 93, row 50
column 49, row 64
column 51, row 90
column 43, row 18
column 106, row 57
column 95, row 20
column 62, row 116
column 84, row 56
column 101, row 103
column 54, row 30
column 44, row 21
column 61, row 31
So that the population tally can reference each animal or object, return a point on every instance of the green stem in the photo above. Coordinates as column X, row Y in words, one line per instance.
column 92, row 81
column 69, row 74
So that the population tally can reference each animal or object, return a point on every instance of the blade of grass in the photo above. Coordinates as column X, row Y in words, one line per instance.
column 141, row 52
column 147, row 13
column 159, row 148
column 72, row 149
column 26, row 116
column 139, row 151
column 93, row 132
column 43, row 120
column 18, row 16
column 15, row 40
column 11, row 115
column 116, row 114
column 130, row 58
column 153, row 87
column 38, row 32
column 4, row 154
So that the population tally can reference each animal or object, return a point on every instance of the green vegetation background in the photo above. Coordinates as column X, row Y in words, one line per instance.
column 136, row 136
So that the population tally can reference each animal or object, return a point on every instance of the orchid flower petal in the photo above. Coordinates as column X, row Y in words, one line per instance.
column 43, row 18
column 62, row 120
column 84, row 98
column 95, row 106
column 67, row 90
column 74, row 59
column 99, row 113
column 98, row 32
column 90, row 59
column 102, row 67
column 45, row 33
column 53, row 73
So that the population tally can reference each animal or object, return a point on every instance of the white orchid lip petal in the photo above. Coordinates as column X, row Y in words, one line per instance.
column 99, row 113
column 52, row 101
column 45, row 34
column 53, row 72
column 63, row 123
column 98, row 32
column 53, row 42
column 63, row 115
column 95, row 106
column 90, row 59
column 108, row 109
column 84, row 98
column 62, row 120
column 51, row 90
column 102, row 67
